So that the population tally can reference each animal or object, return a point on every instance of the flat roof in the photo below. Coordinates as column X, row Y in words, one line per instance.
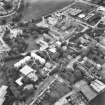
column 3, row 46
column 19, row 82
column 86, row 89
column 26, row 70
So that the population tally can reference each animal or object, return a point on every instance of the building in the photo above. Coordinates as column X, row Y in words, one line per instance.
column 15, row 32
column 49, row 67
column 98, row 86
column 3, row 92
column 22, row 62
column 3, row 46
column 37, row 57
column 43, row 45
column 86, row 90
column 4, row 49
column 101, row 8
column 29, row 72
column 19, row 81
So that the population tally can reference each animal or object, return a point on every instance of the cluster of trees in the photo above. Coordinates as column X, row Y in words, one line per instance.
column 99, row 2
column 17, row 18
column 70, row 75
column 18, row 45
column 17, row 92
column 8, row 5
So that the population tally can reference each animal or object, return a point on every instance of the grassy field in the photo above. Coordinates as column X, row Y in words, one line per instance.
column 38, row 8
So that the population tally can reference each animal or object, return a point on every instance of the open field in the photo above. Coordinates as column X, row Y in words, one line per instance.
column 37, row 9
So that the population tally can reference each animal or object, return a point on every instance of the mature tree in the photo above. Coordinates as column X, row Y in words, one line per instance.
column 99, row 2
column 17, row 18
column 8, row 5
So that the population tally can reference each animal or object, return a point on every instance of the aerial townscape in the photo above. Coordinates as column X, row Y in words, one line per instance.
column 56, row 59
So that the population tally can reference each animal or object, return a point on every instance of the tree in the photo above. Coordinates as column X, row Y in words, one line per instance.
column 2, row 22
column 99, row 2
column 78, row 75
column 8, row 5
column 17, row 18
